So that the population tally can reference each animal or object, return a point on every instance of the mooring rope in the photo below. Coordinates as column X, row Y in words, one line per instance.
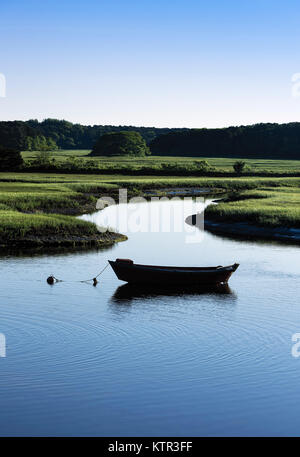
column 92, row 279
column 52, row 279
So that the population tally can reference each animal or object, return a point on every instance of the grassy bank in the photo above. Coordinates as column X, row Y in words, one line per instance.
column 42, row 214
column 265, row 207
column 42, row 229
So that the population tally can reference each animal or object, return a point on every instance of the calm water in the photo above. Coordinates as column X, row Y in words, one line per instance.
column 105, row 361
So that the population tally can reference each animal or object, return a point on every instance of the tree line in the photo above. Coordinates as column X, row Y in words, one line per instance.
column 54, row 133
column 268, row 141
column 272, row 141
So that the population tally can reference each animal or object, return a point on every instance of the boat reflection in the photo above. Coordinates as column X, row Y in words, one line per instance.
column 127, row 292
column 195, row 220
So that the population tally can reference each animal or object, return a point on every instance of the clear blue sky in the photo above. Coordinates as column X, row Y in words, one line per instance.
column 170, row 63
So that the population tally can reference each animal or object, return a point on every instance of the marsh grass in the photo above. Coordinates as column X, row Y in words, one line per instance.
column 221, row 164
column 25, row 208
column 15, row 225
column 267, row 207
column 27, row 199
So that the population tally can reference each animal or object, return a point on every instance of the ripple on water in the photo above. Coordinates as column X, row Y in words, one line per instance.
column 95, row 359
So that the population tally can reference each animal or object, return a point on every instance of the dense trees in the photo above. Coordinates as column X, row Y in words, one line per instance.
column 13, row 134
column 10, row 159
column 75, row 136
column 40, row 143
column 272, row 141
column 120, row 143
column 64, row 134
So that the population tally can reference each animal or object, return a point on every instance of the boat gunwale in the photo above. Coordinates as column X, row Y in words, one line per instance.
column 175, row 268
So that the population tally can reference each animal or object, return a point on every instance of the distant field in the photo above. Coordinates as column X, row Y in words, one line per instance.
column 140, row 182
column 60, row 155
column 279, row 166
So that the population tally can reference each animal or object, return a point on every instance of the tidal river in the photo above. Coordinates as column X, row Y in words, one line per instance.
column 84, row 360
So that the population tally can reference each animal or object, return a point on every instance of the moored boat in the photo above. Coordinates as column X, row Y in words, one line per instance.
column 128, row 271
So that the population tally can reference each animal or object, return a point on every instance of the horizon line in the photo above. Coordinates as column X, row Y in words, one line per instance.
column 152, row 126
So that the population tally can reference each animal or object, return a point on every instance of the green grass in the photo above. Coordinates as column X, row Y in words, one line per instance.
column 106, row 182
column 264, row 207
column 15, row 225
column 59, row 155
column 25, row 209
column 30, row 197
column 221, row 164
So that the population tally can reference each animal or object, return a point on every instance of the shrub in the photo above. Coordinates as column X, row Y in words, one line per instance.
column 239, row 166
column 120, row 143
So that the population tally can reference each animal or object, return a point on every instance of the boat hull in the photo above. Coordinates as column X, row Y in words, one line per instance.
column 148, row 274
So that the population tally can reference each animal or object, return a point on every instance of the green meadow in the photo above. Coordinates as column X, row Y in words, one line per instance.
column 167, row 165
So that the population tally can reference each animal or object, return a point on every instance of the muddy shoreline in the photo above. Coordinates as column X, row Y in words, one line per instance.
column 244, row 230
column 55, row 241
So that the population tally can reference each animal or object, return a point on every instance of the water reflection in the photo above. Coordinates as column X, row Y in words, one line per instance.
column 195, row 220
column 127, row 292
column 52, row 251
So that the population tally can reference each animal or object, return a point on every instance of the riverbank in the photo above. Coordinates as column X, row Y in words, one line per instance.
column 40, row 209
column 19, row 230
column 249, row 231
column 67, row 241
column 269, row 213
